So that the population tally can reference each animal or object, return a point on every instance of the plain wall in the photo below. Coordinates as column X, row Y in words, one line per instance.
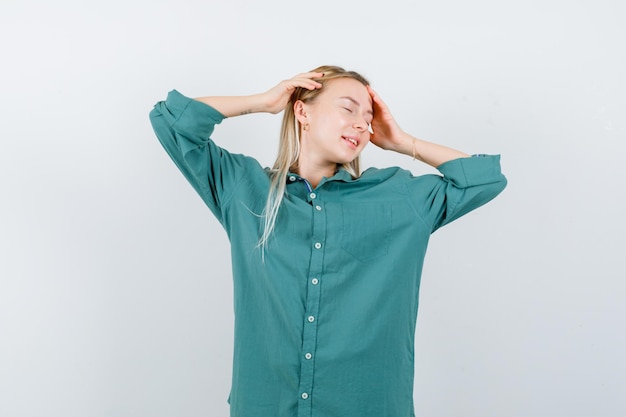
column 115, row 287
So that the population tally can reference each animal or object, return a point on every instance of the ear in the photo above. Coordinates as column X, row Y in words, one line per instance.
column 299, row 110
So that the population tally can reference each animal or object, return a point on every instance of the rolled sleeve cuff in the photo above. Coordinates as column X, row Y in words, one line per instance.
column 472, row 171
column 192, row 116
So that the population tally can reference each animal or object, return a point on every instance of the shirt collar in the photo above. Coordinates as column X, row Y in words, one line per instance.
column 341, row 175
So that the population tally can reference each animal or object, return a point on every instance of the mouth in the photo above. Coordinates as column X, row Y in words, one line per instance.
column 352, row 141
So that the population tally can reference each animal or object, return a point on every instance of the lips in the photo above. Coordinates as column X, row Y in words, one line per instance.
column 354, row 142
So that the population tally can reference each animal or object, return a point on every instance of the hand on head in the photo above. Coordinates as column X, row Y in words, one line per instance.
column 277, row 97
column 387, row 134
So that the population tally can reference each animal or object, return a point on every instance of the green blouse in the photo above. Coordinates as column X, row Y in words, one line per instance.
column 324, row 326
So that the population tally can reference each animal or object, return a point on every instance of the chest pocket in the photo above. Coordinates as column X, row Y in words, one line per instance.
column 366, row 230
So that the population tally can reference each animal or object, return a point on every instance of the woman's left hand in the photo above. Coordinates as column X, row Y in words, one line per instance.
column 387, row 133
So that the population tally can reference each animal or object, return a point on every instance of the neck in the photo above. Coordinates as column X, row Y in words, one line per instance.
column 314, row 172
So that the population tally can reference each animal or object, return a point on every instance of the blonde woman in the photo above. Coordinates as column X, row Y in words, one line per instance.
column 326, row 259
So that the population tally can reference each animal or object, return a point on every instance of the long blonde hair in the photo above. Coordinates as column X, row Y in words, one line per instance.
column 289, row 147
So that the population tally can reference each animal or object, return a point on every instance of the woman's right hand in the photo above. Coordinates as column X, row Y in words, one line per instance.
column 277, row 97
column 273, row 100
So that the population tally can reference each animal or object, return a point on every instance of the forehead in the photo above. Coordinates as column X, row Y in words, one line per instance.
column 347, row 87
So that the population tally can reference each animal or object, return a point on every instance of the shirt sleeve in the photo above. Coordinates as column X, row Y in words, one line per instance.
column 465, row 184
column 184, row 127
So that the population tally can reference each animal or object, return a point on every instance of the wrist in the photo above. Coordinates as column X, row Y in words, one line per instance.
column 407, row 146
column 254, row 103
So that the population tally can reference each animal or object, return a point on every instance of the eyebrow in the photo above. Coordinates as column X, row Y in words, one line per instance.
column 355, row 102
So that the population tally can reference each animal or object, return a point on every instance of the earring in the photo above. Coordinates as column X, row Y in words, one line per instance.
column 305, row 127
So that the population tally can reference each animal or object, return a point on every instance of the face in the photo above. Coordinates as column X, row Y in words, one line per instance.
column 338, row 122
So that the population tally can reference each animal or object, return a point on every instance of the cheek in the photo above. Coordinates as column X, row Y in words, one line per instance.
column 333, row 123
column 343, row 121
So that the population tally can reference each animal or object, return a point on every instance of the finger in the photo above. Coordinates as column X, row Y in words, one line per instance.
column 311, row 74
column 308, row 78
column 307, row 83
column 379, row 104
column 375, row 96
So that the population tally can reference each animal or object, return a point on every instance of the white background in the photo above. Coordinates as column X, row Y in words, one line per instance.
column 115, row 288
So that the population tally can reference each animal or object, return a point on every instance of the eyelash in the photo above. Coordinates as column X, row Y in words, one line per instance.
column 346, row 108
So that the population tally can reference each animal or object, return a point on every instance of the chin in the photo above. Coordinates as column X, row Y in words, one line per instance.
column 348, row 160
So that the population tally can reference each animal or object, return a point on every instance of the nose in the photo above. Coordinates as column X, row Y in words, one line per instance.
column 360, row 124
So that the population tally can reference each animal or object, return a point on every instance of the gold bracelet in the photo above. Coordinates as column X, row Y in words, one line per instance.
column 414, row 149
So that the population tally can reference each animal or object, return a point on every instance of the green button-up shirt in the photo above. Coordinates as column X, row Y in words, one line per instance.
column 324, row 326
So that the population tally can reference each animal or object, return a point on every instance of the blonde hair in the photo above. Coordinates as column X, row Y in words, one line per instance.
column 289, row 147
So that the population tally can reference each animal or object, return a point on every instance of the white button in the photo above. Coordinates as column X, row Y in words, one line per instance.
column 315, row 281
column 318, row 208
column 312, row 195
column 305, row 395
column 308, row 356
column 292, row 178
column 318, row 245
column 311, row 319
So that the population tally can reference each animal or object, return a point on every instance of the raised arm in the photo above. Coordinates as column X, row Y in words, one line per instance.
column 272, row 101
column 388, row 135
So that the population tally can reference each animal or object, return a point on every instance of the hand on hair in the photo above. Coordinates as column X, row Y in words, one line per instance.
column 277, row 97
column 387, row 133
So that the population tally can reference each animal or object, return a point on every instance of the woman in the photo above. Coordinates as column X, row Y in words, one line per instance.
column 326, row 260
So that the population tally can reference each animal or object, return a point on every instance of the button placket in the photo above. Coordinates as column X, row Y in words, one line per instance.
column 311, row 319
